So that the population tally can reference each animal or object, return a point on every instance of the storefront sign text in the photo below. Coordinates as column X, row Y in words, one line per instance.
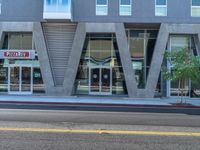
column 17, row 54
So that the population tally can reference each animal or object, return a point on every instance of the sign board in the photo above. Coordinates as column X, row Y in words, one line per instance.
column 17, row 54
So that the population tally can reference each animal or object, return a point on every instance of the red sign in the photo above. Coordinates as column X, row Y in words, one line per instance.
column 16, row 54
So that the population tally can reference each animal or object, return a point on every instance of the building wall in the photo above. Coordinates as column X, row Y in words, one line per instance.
column 21, row 10
column 143, row 11
column 59, row 77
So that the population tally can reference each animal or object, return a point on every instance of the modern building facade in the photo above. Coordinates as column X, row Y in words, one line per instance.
column 95, row 47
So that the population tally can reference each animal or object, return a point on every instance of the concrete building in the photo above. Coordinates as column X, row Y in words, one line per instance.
column 94, row 47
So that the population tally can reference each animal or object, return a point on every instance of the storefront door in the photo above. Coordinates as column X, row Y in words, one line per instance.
column 20, row 79
column 100, row 81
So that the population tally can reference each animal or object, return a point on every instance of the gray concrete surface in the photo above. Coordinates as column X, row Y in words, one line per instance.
column 59, row 141
column 96, row 118
column 74, row 59
column 129, row 73
column 41, row 48
column 85, row 120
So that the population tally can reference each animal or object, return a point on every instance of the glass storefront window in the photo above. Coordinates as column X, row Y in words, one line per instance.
column 38, row 86
column 20, row 75
column 141, row 45
column 100, row 53
column 191, row 88
column 3, row 76
column 118, row 81
column 20, row 41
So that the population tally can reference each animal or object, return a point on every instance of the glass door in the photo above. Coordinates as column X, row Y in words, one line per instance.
column 95, row 80
column 14, row 76
column 105, row 80
column 20, row 79
column 100, row 81
column 26, row 79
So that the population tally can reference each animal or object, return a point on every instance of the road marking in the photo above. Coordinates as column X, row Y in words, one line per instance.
column 49, row 130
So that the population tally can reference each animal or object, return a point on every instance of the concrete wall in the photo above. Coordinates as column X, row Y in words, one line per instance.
column 143, row 11
column 77, row 46
column 21, row 10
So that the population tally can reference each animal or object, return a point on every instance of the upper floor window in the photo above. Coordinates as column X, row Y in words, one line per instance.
column 125, row 8
column 195, row 10
column 161, row 7
column 57, row 9
column 101, row 7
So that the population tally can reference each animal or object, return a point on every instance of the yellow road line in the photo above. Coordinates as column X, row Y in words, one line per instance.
column 49, row 130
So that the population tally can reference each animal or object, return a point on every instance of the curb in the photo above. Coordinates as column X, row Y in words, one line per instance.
column 100, row 104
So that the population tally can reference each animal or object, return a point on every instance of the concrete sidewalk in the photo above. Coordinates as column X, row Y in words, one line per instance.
column 94, row 100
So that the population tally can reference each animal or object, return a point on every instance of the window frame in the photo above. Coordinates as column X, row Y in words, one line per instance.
column 192, row 9
column 125, row 6
column 97, row 5
column 161, row 6
column 56, row 14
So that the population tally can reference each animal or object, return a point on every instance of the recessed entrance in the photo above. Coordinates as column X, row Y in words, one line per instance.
column 100, row 82
column 20, row 79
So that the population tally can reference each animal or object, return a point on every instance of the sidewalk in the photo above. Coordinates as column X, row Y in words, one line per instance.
column 101, row 101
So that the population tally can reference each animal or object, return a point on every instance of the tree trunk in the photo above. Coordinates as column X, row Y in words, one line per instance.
column 179, row 87
column 182, row 82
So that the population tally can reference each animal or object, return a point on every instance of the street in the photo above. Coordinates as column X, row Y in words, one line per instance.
column 60, row 128
column 59, row 141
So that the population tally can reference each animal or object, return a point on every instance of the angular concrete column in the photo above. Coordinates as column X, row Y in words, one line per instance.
column 1, row 35
column 45, row 67
column 125, row 57
column 198, row 43
column 74, row 59
column 157, row 60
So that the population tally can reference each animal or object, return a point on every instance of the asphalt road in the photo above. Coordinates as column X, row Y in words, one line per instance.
column 16, row 120
column 137, row 116
column 49, row 141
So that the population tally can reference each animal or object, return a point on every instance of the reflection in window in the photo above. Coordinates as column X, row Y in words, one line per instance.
column 3, row 76
column 101, row 7
column 38, row 86
column 161, row 7
column 141, row 44
column 100, row 50
column 195, row 9
column 20, row 41
column 125, row 8
column 57, row 8
column 191, row 88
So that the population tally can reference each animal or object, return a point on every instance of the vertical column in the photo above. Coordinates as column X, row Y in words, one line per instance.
column 74, row 59
column 1, row 35
column 198, row 43
column 157, row 60
column 126, row 60
column 41, row 49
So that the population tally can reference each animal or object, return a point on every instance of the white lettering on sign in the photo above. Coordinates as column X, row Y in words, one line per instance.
column 16, row 54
